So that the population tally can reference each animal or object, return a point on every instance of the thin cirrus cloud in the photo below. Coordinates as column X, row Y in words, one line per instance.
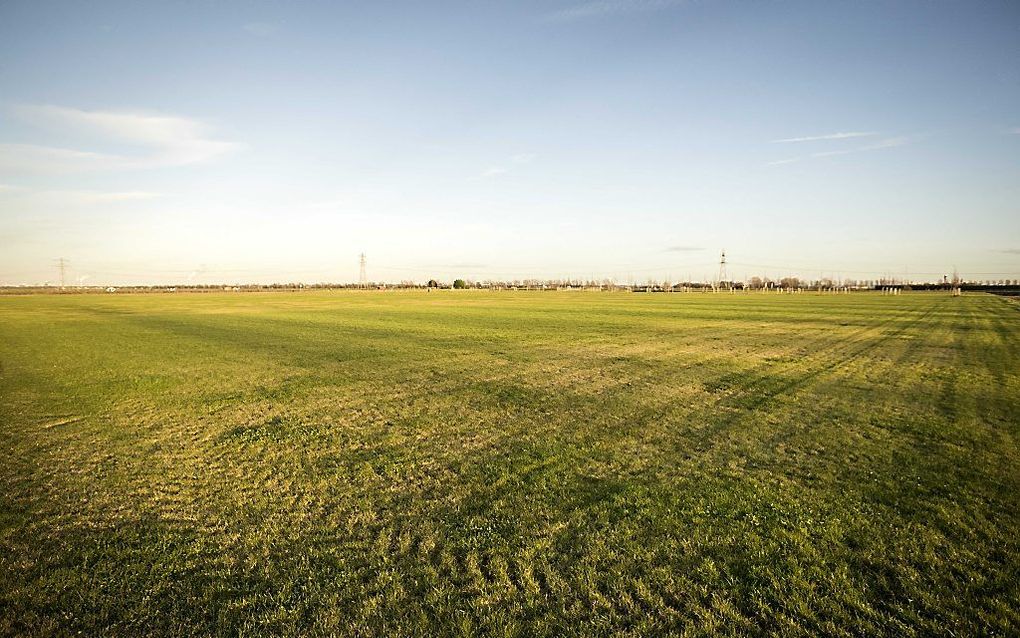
column 888, row 142
column 518, row 159
column 827, row 136
column 603, row 8
column 36, row 158
column 101, row 197
column 62, row 198
column 138, row 140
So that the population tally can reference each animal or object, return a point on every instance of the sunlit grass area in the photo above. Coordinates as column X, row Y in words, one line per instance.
column 518, row 464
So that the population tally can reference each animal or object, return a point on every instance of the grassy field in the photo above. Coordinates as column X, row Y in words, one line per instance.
column 513, row 464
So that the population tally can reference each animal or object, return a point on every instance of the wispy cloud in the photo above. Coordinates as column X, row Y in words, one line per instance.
column 74, row 197
column 827, row 136
column 100, row 197
column 1015, row 131
column 152, row 140
column 683, row 249
column 600, row 8
column 888, row 142
column 36, row 158
column 519, row 158
column 1010, row 251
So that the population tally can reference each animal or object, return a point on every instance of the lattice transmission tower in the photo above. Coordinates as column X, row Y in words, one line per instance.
column 62, row 265
column 362, row 274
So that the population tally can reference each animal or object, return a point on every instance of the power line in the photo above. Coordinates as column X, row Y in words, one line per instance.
column 485, row 271
column 791, row 268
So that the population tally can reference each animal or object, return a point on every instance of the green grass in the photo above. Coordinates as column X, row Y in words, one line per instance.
column 509, row 464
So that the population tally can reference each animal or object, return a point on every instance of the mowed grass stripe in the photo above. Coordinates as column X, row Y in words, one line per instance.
column 510, row 464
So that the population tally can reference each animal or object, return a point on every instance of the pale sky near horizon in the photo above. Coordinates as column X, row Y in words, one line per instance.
column 224, row 141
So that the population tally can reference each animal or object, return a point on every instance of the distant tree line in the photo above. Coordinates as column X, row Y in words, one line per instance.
column 1002, row 286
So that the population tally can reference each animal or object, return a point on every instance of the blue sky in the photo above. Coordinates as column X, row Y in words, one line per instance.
column 632, row 139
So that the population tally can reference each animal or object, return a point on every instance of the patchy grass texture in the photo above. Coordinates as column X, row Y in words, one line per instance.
column 511, row 464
